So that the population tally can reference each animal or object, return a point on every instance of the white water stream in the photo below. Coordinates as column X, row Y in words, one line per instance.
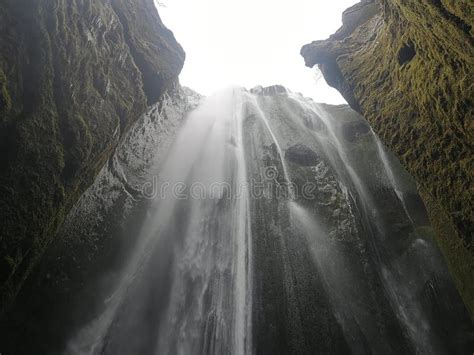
column 218, row 270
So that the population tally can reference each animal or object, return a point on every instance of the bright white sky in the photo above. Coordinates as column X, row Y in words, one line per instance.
column 252, row 42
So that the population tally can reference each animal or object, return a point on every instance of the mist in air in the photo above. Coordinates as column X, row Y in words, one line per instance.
column 204, row 192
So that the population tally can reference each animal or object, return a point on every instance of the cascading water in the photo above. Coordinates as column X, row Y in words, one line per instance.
column 276, row 227
column 208, row 237
column 393, row 180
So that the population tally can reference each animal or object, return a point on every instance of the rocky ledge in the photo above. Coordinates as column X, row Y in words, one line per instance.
column 408, row 67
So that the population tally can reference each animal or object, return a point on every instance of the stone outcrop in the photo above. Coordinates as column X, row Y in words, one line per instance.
column 408, row 67
column 74, row 76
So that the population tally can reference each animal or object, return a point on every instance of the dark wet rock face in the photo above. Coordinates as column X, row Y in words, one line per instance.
column 269, row 90
column 345, row 263
column 301, row 155
column 407, row 67
column 354, row 130
column 74, row 76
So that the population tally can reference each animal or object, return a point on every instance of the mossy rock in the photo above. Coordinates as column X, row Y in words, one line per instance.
column 73, row 78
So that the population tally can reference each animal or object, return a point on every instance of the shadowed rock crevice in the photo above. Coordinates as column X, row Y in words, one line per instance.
column 406, row 53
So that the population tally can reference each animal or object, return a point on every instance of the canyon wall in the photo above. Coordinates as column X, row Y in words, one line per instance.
column 74, row 76
column 340, row 252
column 91, row 246
column 407, row 66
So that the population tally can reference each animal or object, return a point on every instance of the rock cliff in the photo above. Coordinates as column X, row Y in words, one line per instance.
column 74, row 76
column 407, row 66
column 97, row 234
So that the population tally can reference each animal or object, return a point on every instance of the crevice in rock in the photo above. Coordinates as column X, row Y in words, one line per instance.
column 335, row 79
column 406, row 53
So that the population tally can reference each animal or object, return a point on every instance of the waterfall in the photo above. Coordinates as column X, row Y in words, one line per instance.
column 407, row 308
column 243, row 284
column 227, row 263
column 207, row 159
column 391, row 176
column 254, row 101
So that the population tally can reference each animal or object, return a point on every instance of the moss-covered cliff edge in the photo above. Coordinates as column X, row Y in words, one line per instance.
column 74, row 76
column 408, row 67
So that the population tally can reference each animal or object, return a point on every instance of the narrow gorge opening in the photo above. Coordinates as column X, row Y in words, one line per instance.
column 236, row 205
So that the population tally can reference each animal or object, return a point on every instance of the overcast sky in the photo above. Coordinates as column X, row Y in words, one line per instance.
column 252, row 42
